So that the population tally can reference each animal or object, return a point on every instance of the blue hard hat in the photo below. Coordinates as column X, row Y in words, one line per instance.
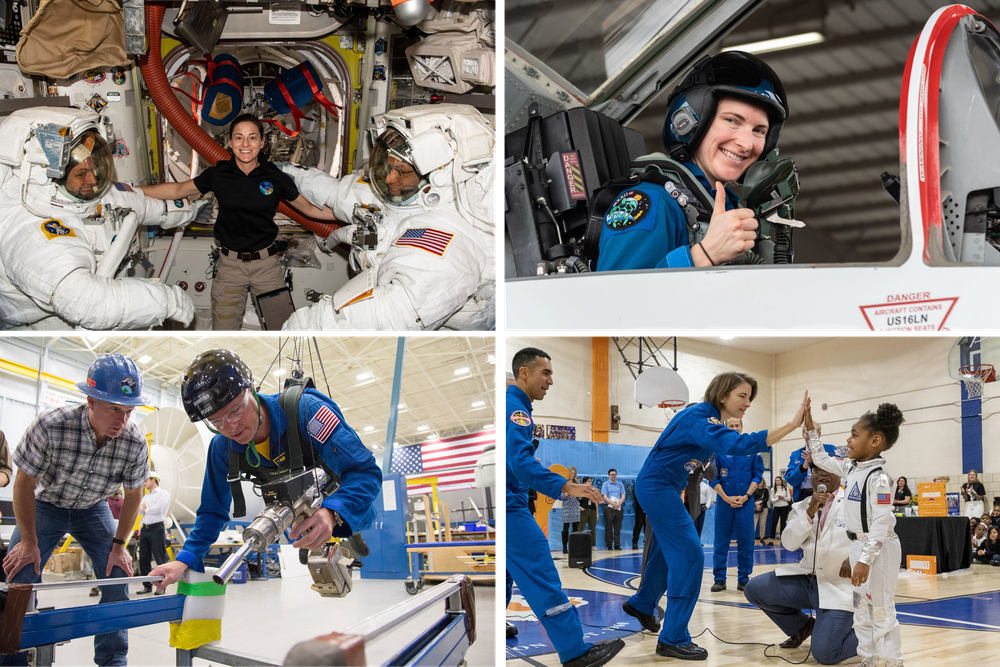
column 115, row 379
column 212, row 381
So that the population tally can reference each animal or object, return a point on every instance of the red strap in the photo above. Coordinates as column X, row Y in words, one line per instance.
column 318, row 92
column 281, row 126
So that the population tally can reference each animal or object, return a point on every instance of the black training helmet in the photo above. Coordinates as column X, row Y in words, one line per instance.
column 212, row 381
column 696, row 97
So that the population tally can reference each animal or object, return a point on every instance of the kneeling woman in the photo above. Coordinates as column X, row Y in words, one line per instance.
column 248, row 190
column 676, row 562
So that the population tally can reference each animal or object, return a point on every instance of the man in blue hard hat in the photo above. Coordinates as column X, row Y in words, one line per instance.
column 69, row 461
column 253, row 442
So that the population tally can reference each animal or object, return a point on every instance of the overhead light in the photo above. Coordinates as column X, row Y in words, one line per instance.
column 432, row 436
column 145, row 359
column 421, row 429
column 461, row 371
column 369, row 429
column 478, row 404
column 395, row 444
column 492, row 358
column 401, row 406
column 780, row 43
column 364, row 376
column 728, row 337
column 94, row 340
column 278, row 372
column 488, row 426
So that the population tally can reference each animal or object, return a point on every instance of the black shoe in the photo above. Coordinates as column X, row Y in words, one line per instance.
column 740, row 585
column 718, row 586
column 647, row 621
column 511, row 630
column 160, row 592
column 796, row 640
column 598, row 654
column 144, row 591
column 635, row 546
column 686, row 652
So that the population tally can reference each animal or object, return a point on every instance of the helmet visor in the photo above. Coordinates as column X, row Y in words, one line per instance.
column 90, row 170
column 391, row 169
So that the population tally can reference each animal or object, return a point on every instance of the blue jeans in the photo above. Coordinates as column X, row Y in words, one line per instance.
column 784, row 598
column 93, row 528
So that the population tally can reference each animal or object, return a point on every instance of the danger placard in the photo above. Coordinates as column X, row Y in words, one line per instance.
column 909, row 312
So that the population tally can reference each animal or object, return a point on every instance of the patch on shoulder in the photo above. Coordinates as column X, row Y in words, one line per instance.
column 123, row 187
column 716, row 421
column 54, row 228
column 322, row 424
column 364, row 179
column 433, row 241
column 884, row 499
column 521, row 418
column 630, row 207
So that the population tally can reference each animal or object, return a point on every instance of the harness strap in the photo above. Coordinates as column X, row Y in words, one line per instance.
column 864, row 501
column 239, row 504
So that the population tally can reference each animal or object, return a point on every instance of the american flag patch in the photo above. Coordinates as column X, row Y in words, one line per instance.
column 322, row 424
column 428, row 239
column 124, row 187
column 883, row 499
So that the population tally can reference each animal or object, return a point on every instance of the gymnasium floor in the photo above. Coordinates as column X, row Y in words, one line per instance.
column 948, row 619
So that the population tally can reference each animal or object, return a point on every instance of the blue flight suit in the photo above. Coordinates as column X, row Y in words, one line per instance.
column 646, row 229
column 795, row 475
column 736, row 473
column 675, row 567
column 528, row 557
column 341, row 450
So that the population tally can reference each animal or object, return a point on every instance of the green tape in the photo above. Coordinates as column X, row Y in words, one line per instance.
column 204, row 589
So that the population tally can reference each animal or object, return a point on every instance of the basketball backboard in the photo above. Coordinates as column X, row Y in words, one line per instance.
column 659, row 384
column 972, row 350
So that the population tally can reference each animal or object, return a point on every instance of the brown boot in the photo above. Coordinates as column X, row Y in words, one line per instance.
column 796, row 640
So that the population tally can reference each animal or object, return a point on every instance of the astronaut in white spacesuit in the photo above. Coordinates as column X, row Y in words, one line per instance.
column 421, row 226
column 66, row 227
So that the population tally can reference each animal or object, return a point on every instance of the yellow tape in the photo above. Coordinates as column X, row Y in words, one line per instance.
column 194, row 633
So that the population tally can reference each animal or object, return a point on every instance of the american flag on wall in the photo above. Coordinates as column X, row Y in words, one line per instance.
column 451, row 460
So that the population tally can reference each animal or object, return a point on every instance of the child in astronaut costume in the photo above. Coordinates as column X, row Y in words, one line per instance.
column 421, row 225
column 66, row 226
column 875, row 550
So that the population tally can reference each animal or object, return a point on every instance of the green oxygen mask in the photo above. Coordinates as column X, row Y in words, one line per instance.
column 770, row 187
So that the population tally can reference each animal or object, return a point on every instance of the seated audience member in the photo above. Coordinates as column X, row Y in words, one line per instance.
column 995, row 514
column 979, row 537
column 903, row 495
column 993, row 543
column 973, row 522
column 784, row 593
column 987, row 519
column 987, row 551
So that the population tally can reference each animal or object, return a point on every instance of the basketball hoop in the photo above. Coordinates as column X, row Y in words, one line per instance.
column 673, row 405
column 975, row 376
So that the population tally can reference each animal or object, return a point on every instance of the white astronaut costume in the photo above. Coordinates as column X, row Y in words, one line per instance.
column 432, row 265
column 59, row 253
column 875, row 620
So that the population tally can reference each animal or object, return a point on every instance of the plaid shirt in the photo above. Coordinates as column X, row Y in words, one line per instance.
column 60, row 449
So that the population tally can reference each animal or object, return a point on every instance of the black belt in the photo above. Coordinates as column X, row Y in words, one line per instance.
column 853, row 536
column 251, row 256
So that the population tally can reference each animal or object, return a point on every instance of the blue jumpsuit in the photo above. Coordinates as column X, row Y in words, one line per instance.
column 795, row 475
column 676, row 565
column 528, row 559
column 735, row 476
column 646, row 229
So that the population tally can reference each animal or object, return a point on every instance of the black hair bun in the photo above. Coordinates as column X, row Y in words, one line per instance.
column 888, row 417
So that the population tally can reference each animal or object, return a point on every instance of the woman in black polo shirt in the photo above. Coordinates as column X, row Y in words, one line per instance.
column 248, row 191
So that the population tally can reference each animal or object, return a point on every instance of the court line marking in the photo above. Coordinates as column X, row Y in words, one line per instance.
column 948, row 620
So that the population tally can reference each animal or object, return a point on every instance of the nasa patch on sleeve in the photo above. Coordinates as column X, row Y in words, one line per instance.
column 630, row 208
column 715, row 420
column 521, row 418
column 55, row 228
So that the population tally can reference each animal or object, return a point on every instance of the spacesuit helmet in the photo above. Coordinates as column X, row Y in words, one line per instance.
column 692, row 105
column 392, row 173
column 90, row 170
column 212, row 381
column 422, row 153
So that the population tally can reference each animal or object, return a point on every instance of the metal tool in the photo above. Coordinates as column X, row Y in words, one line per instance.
column 290, row 500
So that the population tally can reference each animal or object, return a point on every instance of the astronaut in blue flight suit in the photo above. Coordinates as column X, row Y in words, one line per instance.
column 217, row 387
column 528, row 559
column 738, row 478
column 689, row 441
column 726, row 114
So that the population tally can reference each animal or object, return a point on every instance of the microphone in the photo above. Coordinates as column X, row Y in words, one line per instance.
column 820, row 489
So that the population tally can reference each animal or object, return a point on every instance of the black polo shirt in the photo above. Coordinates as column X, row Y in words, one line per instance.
column 247, row 202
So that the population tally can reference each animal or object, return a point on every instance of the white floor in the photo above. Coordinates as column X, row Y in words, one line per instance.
column 266, row 618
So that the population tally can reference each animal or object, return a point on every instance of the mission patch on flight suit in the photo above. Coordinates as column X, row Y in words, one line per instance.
column 521, row 418
column 54, row 228
column 631, row 207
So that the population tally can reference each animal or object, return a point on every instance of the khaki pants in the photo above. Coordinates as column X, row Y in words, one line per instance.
column 229, row 289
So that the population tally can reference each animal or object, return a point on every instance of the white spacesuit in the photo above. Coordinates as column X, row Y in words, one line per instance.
column 422, row 226
column 66, row 227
